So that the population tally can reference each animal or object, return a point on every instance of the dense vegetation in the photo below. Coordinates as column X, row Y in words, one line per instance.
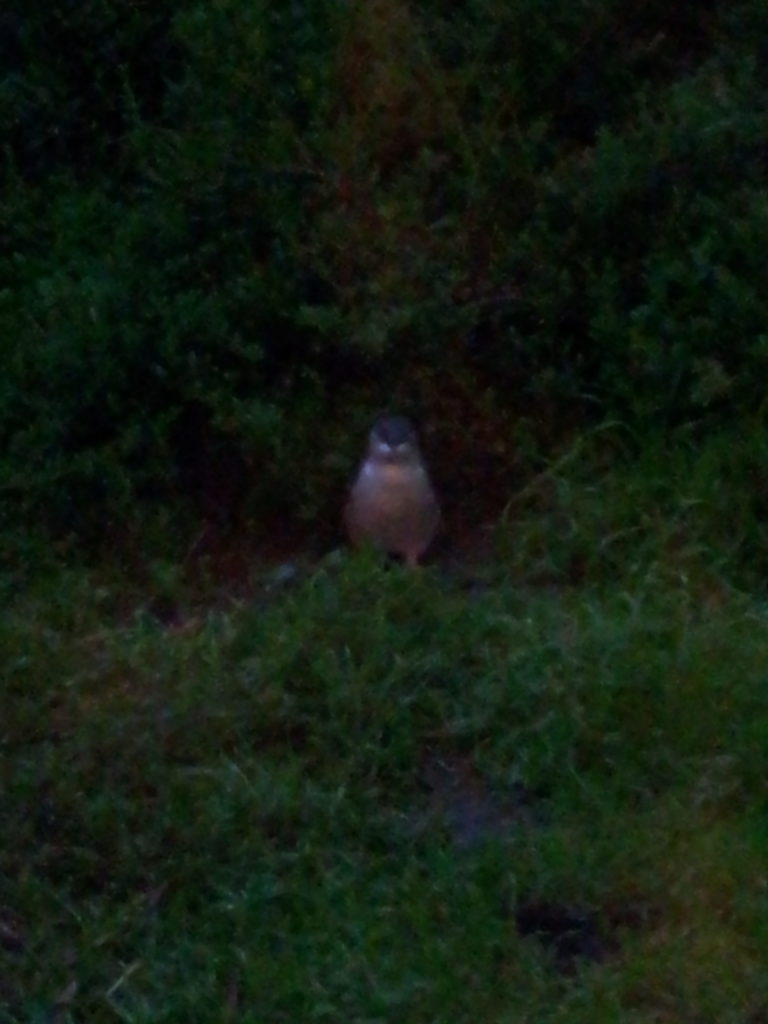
column 249, row 778
column 531, row 792
column 231, row 230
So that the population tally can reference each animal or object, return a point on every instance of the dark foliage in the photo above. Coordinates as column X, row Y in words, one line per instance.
column 266, row 220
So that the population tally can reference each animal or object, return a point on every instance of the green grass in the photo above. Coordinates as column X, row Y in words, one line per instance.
column 232, row 818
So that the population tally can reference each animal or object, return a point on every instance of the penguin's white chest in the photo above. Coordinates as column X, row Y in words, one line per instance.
column 393, row 506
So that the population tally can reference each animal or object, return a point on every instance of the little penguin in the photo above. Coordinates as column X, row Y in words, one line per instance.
column 392, row 503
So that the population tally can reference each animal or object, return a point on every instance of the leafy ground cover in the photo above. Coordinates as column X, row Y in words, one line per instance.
column 524, row 786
